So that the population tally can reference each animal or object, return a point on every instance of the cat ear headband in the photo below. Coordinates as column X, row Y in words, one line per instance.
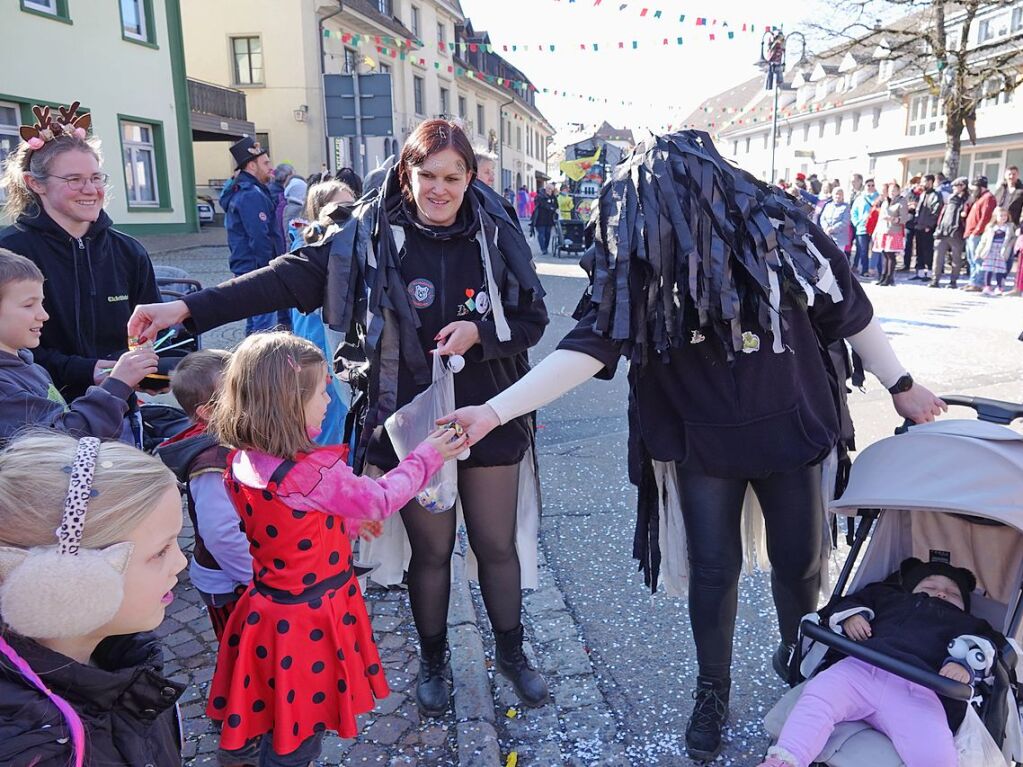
column 62, row 591
column 48, row 127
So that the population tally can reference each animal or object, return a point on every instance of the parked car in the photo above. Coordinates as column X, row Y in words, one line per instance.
column 204, row 207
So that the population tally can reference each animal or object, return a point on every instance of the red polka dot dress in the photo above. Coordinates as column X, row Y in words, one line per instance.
column 298, row 655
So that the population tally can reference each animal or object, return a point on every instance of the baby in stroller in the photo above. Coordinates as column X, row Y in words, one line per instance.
column 924, row 621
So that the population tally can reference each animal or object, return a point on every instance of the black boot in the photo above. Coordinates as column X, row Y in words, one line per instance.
column 432, row 691
column 703, row 733
column 515, row 666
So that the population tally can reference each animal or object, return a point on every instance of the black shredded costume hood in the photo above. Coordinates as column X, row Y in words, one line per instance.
column 715, row 238
column 689, row 249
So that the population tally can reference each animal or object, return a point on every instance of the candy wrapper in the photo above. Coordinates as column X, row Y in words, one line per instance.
column 418, row 419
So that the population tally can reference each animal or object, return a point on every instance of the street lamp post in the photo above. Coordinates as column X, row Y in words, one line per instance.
column 773, row 49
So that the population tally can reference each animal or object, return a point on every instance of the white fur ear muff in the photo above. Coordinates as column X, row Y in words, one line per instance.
column 54, row 596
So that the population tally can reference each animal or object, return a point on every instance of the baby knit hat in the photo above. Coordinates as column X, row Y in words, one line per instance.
column 913, row 571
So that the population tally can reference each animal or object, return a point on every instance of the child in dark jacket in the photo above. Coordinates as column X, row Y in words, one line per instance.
column 27, row 394
column 221, row 563
column 925, row 622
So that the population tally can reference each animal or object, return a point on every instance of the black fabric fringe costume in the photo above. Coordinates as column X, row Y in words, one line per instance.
column 380, row 324
column 685, row 242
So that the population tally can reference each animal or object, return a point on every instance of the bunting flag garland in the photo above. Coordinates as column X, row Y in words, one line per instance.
column 521, row 86
column 646, row 11
column 405, row 44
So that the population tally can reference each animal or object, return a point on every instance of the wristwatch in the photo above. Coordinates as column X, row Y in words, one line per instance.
column 902, row 385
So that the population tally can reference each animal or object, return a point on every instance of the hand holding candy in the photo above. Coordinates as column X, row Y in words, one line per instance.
column 449, row 441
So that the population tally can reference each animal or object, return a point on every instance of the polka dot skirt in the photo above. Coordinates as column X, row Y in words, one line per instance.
column 297, row 656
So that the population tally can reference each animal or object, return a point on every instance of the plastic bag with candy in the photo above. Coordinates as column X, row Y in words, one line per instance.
column 411, row 424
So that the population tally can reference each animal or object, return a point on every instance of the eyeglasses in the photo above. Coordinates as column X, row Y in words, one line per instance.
column 77, row 183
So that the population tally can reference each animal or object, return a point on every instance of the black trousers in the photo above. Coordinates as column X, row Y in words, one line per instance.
column 712, row 513
column 924, row 249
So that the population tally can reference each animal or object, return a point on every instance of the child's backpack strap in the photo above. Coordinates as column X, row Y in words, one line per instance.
column 279, row 474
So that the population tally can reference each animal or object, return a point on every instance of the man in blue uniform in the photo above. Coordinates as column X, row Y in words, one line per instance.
column 252, row 230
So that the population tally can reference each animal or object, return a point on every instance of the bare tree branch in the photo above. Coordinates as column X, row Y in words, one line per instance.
column 915, row 38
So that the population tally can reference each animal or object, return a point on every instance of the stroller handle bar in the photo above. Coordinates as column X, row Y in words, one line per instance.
column 990, row 410
column 947, row 688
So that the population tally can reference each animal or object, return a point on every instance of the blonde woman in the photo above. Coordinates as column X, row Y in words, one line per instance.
column 81, row 680
column 95, row 275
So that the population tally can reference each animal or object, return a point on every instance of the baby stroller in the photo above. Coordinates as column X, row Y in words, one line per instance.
column 158, row 421
column 932, row 509
column 573, row 239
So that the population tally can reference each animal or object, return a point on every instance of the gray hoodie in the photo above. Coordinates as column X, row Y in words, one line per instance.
column 29, row 398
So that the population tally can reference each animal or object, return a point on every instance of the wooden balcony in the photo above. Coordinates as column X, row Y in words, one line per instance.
column 217, row 113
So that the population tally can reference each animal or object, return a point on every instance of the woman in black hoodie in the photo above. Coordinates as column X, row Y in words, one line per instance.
column 94, row 274
column 431, row 261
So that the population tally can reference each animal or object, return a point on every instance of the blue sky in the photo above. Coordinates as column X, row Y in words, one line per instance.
column 664, row 83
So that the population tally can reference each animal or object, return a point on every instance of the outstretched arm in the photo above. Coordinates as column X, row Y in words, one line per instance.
column 324, row 482
column 917, row 403
column 558, row 373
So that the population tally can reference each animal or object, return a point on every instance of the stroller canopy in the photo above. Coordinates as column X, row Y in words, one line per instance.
column 964, row 466
column 933, row 484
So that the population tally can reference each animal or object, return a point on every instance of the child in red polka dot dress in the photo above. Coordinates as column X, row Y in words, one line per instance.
column 298, row 656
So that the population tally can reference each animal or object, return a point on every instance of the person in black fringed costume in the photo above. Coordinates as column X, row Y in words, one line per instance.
column 724, row 297
column 431, row 260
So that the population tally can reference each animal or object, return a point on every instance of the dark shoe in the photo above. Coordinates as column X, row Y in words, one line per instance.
column 515, row 666
column 432, row 691
column 934, row 284
column 952, row 286
column 780, row 661
column 710, row 712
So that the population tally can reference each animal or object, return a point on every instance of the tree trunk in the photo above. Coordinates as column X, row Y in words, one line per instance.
column 953, row 132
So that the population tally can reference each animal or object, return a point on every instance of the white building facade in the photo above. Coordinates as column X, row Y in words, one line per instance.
column 864, row 112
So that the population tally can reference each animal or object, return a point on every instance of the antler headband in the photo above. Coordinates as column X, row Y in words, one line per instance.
column 47, row 128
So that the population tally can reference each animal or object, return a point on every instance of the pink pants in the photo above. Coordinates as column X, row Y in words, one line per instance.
column 910, row 715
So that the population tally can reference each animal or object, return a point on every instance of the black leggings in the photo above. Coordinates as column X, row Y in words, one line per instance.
column 888, row 270
column 489, row 497
column 712, row 512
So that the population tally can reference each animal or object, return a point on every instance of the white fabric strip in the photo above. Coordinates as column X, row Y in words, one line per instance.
column 559, row 372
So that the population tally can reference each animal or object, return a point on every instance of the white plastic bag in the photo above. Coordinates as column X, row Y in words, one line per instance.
column 975, row 746
column 414, row 422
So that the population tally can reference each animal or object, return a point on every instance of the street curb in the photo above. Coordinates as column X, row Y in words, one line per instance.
column 184, row 249
column 474, row 700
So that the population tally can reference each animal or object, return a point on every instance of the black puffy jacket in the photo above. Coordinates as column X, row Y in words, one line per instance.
column 125, row 702
column 92, row 285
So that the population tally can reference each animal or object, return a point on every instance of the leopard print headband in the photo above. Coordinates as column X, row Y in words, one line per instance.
column 79, row 491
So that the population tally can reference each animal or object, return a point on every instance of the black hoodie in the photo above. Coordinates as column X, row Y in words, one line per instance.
column 434, row 279
column 92, row 285
column 123, row 698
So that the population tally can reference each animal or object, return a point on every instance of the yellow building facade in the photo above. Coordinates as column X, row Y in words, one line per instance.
column 276, row 52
